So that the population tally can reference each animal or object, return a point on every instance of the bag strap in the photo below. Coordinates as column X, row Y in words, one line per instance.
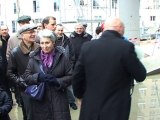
column 41, row 67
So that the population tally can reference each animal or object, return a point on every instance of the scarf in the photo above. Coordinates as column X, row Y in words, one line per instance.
column 47, row 58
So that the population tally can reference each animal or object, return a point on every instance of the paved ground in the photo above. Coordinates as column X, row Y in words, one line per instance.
column 16, row 113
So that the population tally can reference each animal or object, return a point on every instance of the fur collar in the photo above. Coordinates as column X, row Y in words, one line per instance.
column 27, row 50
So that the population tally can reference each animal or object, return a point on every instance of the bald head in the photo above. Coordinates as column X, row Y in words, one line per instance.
column 115, row 24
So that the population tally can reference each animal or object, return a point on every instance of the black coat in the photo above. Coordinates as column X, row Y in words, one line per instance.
column 77, row 41
column 17, row 64
column 66, row 44
column 3, row 61
column 18, row 61
column 103, row 76
column 5, row 105
column 54, row 105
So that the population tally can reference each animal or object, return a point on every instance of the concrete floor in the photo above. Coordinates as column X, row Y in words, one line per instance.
column 16, row 113
column 145, row 102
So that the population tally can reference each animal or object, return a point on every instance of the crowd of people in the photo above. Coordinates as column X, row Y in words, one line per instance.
column 97, row 72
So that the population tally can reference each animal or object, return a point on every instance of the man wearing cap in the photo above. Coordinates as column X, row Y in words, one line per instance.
column 18, row 61
column 15, row 39
column 13, row 42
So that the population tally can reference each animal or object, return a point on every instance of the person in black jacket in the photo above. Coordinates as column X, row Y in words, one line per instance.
column 65, row 43
column 5, row 104
column 5, row 95
column 4, row 36
column 17, row 64
column 13, row 42
column 104, row 74
column 77, row 38
column 85, row 28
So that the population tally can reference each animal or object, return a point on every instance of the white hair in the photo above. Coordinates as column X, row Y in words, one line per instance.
column 48, row 34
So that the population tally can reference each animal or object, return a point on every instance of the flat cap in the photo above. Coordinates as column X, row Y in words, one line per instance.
column 24, row 18
column 26, row 27
column 85, row 25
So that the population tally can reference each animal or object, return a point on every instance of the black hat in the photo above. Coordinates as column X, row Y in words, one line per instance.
column 85, row 25
column 26, row 27
column 24, row 18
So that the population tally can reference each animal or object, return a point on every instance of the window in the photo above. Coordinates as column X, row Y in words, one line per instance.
column 98, row 17
column 14, row 8
column 95, row 4
column 56, row 6
column 35, row 6
column 13, row 26
column 0, row 9
column 114, row 4
column 38, row 20
column 81, row 2
column 152, row 18
column 1, row 23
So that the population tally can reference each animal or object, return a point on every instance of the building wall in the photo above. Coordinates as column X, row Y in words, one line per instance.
column 130, row 15
column 71, row 11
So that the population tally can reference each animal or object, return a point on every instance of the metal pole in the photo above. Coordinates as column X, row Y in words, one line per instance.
column 60, row 10
column 91, row 17
column 5, row 13
column 18, row 7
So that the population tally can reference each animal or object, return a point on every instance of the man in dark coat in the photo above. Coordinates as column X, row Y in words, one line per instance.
column 4, row 36
column 5, row 95
column 65, row 43
column 13, row 42
column 15, row 39
column 85, row 27
column 104, row 74
column 77, row 38
column 18, row 62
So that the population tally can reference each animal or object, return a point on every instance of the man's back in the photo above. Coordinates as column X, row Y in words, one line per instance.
column 13, row 42
column 103, row 77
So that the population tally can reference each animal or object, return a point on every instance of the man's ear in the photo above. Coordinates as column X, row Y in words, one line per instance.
column 20, row 36
column 1, row 43
column 45, row 25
